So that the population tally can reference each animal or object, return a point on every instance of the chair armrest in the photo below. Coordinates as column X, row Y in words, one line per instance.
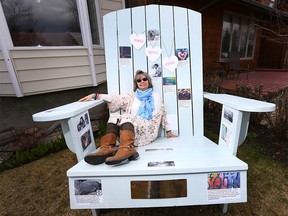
column 240, row 103
column 65, row 111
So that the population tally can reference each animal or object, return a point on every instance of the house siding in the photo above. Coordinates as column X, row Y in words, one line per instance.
column 100, row 66
column 6, row 87
column 107, row 6
column 47, row 70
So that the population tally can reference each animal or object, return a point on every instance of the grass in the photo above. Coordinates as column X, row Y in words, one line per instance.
column 41, row 188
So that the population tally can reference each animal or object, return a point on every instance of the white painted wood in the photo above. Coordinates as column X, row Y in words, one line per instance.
column 111, row 53
column 240, row 103
column 138, row 28
column 195, row 25
column 183, row 72
column 65, row 111
column 168, row 48
column 125, row 64
column 153, row 24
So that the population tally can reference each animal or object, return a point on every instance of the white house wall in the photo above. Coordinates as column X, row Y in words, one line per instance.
column 6, row 87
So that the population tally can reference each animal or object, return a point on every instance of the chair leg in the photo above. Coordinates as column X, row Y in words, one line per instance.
column 225, row 208
column 95, row 212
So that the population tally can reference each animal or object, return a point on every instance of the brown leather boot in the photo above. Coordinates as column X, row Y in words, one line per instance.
column 107, row 145
column 126, row 149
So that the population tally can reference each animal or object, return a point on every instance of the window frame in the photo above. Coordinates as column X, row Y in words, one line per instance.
column 85, row 33
column 100, row 31
column 241, row 17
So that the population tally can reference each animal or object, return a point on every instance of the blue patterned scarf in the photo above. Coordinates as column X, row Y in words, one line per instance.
column 147, row 103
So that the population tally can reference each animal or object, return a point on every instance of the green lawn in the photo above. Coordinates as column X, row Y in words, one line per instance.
column 41, row 188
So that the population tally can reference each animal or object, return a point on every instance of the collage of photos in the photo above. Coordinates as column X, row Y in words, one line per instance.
column 226, row 127
column 83, row 127
column 153, row 50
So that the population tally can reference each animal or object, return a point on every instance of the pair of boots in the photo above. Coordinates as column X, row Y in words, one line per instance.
column 107, row 152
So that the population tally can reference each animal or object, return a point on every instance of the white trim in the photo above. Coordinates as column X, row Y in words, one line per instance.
column 100, row 27
column 6, row 44
column 86, row 36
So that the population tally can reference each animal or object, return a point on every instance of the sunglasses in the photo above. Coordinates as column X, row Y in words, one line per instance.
column 140, row 80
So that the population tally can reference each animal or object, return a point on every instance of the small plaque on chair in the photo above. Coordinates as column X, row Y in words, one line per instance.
column 159, row 189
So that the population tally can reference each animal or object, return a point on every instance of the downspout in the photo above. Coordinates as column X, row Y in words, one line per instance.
column 6, row 44
column 86, row 36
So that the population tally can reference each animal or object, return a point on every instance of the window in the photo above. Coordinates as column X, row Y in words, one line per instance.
column 237, row 35
column 93, row 22
column 43, row 22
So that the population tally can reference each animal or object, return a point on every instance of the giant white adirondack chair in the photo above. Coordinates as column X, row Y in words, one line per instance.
column 187, row 170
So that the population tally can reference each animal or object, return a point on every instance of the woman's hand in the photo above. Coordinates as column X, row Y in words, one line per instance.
column 170, row 134
column 87, row 98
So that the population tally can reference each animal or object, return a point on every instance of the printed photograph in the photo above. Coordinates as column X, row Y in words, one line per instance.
column 81, row 124
column 224, row 180
column 228, row 114
column 169, row 81
column 88, row 191
column 88, row 187
column 86, row 139
column 125, row 51
column 182, row 54
column 161, row 164
column 224, row 131
column 156, row 70
column 153, row 35
column 184, row 94
column 159, row 149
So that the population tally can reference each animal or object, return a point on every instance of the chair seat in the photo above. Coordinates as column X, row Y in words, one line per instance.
column 189, row 154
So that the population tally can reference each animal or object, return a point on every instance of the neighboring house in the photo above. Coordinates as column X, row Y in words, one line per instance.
column 48, row 46
column 246, row 26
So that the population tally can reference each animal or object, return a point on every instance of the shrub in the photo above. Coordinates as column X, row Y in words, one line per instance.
column 23, row 157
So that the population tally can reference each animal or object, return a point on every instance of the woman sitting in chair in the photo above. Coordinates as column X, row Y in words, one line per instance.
column 138, row 126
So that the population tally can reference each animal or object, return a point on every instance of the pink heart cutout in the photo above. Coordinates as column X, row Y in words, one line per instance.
column 153, row 53
column 170, row 63
column 137, row 40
